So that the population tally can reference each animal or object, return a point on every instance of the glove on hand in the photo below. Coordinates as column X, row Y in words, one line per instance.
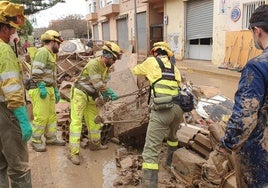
column 109, row 93
column 25, row 126
column 42, row 89
column 57, row 95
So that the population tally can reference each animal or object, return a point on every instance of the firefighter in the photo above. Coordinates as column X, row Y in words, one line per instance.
column 165, row 116
column 44, row 92
column 15, row 128
column 246, row 134
column 85, row 91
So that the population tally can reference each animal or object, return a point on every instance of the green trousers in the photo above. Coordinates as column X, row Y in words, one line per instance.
column 162, row 124
column 13, row 152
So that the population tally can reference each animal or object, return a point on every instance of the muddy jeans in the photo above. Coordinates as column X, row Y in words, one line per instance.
column 162, row 124
column 13, row 152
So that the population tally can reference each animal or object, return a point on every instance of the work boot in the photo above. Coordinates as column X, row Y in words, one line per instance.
column 74, row 159
column 38, row 147
column 149, row 178
column 23, row 181
column 55, row 142
column 95, row 147
column 170, row 152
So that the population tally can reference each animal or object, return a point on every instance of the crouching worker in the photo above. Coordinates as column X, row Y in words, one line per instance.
column 44, row 92
column 86, row 89
column 15, row 128
column 165, row 119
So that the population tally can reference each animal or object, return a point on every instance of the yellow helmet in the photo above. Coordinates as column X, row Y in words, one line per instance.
column 12, row 14
column 163, row 46
column 113, row 49
column 51, row 35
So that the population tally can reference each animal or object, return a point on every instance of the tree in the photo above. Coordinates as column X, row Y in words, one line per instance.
column 74, row 22
column 27, row 29
column 34, row 6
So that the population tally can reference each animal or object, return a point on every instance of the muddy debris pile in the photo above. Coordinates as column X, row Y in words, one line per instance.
column 125, row 121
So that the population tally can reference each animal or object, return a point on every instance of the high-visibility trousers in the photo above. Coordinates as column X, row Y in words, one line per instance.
column 162, row 124
column 82, row 105
column 45, row 117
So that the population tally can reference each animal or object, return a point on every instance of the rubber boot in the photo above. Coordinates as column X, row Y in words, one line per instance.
column 4, row 183
column 38, row 147
column 170, row 152
column 149, row 178
column 23, row 181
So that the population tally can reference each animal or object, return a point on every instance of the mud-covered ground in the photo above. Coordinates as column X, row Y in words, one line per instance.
column 52, row 169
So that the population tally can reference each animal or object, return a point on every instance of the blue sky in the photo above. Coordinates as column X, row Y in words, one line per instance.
column 60, row 10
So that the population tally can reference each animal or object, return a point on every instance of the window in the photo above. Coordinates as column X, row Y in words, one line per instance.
column 248, row 9
column 92, row 7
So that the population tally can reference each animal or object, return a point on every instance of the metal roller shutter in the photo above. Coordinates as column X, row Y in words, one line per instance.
column 95, row 32
column 142, row 37
column 199, row 19
column 122, row 33
column 105, row 31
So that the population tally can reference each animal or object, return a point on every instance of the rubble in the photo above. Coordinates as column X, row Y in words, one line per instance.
column 125, row 121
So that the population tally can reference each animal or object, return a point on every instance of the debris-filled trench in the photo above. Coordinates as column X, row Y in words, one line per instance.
column 125, row 120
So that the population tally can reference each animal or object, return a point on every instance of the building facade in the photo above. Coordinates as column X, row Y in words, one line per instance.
column 195, row 29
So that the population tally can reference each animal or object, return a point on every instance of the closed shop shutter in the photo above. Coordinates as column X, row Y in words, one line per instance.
column 122, row 33
column 199, row 19
column 95, row 32
column 105, row 31
column 142, row 38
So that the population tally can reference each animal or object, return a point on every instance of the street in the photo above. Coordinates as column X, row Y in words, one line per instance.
column 52, row 169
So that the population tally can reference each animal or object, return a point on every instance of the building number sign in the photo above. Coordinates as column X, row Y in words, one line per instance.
column 235, row 14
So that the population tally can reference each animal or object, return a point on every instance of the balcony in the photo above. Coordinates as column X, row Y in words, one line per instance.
column 92, row 16
column 151, row 1
column 109, row 10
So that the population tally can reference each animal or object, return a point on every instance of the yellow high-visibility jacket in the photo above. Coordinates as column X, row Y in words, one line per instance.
column 44, row 67
column 11, row 79
column 151, row 69
column 94, row 76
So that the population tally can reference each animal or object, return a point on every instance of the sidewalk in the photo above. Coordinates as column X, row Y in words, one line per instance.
column 205, row 67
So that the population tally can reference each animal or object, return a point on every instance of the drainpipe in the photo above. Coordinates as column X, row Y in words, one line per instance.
column 136, row 28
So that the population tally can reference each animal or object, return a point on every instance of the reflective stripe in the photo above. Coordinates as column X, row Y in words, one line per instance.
column 48, row 71
column 95, row 131
column 168, row 74
column 38, row 63
column 37, row 71
column 2, row 98
column 98, row 84
column 87, row 87
column 166, row 91
column 8, row 75
column 170, row 143
column 48, row 80
column 11, row 88
column 74, row 145
column 75, row 134
column 151, row 166
column 38, row 127
column 96, row 76
column 53, row 125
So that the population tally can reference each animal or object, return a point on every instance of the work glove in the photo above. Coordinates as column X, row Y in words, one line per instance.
column 25, row 126
column 42, row 88
column 57, row 94
column 109, row 94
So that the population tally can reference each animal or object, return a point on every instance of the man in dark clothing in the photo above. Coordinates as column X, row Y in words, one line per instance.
column 247, row 129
